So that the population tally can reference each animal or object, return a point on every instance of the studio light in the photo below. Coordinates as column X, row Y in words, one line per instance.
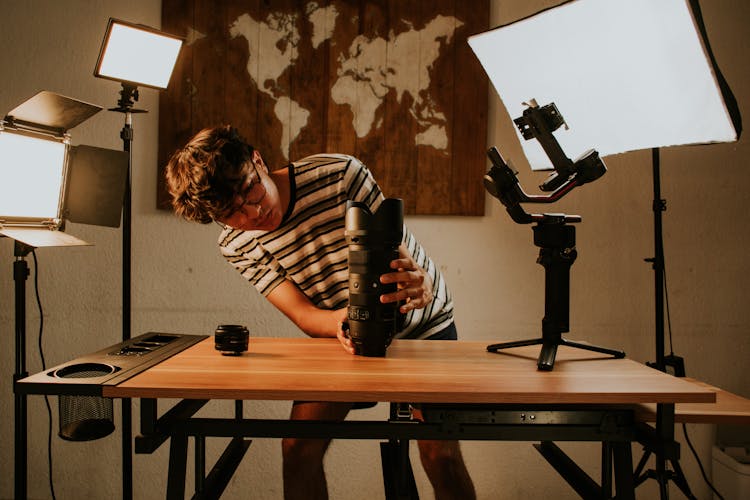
column 134, row 55
column 44, row 181
column 137, row 54
column 618, row 76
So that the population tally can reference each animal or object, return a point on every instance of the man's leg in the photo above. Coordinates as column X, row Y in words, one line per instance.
column 445, row 468
column 444, row 465
column 304, row 477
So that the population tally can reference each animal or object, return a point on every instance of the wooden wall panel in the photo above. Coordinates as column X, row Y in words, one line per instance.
column 241, row 96
column 470, row 103
column 368, row 79
column 175, row 105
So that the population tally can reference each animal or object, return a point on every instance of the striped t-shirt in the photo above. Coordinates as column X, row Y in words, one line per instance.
column 309, row 247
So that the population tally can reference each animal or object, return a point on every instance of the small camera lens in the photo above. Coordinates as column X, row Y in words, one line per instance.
column 231, row 340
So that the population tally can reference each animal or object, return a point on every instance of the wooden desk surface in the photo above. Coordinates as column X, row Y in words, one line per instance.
column 412, row 371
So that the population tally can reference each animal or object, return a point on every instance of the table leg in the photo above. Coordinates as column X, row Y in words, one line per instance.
column 200, row 462
column 606, row 483
column 177, row 465
column 623, row 460
column 398, row 476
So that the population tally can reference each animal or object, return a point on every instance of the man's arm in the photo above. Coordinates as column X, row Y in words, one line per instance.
column 312, row 320
column 414, row 289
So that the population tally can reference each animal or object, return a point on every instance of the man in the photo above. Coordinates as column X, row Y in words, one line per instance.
column 284, row 232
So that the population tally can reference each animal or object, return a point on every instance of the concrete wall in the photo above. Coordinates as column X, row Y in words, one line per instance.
column 181, row 284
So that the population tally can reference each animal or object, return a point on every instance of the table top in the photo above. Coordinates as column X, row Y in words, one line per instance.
column 412, row 371
column 729, row 408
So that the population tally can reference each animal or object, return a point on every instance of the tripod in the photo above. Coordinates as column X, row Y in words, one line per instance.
column 556, row 239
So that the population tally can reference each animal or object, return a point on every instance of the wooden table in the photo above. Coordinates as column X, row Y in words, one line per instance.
column 427, row 372
column 469, row 394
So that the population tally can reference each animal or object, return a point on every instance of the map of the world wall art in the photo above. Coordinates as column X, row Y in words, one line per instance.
column 393, row 83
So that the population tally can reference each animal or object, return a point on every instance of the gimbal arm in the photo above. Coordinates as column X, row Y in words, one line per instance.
column 502, row 183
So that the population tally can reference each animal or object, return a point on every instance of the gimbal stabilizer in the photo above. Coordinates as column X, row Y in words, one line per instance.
column 552, row 232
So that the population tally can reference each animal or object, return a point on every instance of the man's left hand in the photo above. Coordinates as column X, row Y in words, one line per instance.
column 414, row 285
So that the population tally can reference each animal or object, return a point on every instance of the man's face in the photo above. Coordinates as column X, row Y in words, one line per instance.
column 258, row 206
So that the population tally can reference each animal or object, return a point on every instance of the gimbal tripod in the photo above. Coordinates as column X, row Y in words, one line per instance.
column 553, row 233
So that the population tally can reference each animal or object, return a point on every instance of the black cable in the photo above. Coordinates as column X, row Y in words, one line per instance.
column 666, row 309
column 44, row 367
column 695, row 454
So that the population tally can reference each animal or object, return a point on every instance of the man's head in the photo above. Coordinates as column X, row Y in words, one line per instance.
column 209, row 174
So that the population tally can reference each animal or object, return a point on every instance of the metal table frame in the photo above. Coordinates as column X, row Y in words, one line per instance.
column 614, row 426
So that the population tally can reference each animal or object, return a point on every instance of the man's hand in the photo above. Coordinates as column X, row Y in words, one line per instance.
column 414, row 285
column 343, row 336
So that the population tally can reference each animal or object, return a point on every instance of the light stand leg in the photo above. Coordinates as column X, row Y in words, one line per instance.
column 20, row 274
column 660, row 442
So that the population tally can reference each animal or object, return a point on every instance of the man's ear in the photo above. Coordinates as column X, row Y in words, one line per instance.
column 258, row 160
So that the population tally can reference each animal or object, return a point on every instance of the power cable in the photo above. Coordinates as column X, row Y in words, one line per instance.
column 44, row 367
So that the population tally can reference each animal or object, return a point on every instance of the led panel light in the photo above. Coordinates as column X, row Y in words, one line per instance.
column 45, row 181
column 137, row 54
column 625, row 74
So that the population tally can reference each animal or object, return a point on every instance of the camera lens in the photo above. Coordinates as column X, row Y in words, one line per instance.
column 231, row 340
column 373, row 240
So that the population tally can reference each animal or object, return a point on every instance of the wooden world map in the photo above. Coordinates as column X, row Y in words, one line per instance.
column 393, row 83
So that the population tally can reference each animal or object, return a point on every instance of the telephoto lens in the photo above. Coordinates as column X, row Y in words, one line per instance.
column 373, row 240
column 231, row 340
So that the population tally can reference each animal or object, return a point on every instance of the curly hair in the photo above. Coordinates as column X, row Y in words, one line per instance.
column 206, row 175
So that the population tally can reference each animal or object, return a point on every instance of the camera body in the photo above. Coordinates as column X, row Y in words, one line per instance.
column 373, row 240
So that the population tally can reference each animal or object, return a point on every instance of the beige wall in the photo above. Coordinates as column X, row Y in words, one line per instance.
column 181, row 284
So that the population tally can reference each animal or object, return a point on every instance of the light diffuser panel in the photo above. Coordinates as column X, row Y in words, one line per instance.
column 31, row 176
column 138, row 55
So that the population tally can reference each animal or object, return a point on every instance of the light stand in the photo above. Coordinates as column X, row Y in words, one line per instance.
column 20, row 274
column 552, row 232
column 631, row 75
column 659, row 205
column 43, row 182
column 661, row 444
column 128, row 97
column 134, row 55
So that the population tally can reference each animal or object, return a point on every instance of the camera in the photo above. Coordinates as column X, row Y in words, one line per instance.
column 373, row 240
